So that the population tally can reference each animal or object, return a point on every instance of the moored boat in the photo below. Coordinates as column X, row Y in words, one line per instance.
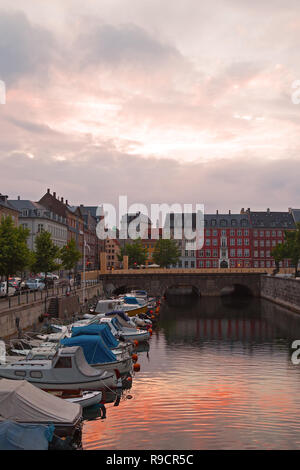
column 67, row 370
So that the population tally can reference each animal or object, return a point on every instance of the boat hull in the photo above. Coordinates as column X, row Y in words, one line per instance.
column 136, row 311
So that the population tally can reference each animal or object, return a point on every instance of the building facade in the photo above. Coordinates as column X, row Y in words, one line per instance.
column 37, row 219
column 7, row 209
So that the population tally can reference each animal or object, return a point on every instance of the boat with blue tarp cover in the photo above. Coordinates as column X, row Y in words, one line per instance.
column 98, row 354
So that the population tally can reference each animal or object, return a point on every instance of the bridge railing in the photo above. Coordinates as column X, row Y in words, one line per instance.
column 198, row 271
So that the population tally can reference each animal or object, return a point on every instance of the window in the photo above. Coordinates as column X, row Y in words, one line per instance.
column 232, row 263
column 215, row 233
column 201, row 263
column 279, row 233
column 192, row 264
column 36, row 374
column 215, row 241
column 201, row 253
column 239, row 241
column 256, row 264
column 186, row 253
column 20, row 373
column 208, row 264
column 255, row 254
column 207, row 242
column 207, row 232
column 239, row 252
column 186, row 264
column 246, row 241
column 215, row 253
column 239, row 233
column 246, row 232
column 267, row 233
column 262, row 243
column 232, row 233
column 262, row 264
column 232, row 252
column 232, row 241
column 246, row 253
column 261, row 233
column 262, row 254
column 208, row 253
column 215, row 263
column 233, row 222
column 223, row 233
column 255, row 233
column 273, row 233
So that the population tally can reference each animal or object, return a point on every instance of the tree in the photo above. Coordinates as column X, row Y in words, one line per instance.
column 290, row 249
column 136, row 252
column 70, row 255
column 15, row 255
column 46, row 254
column 166, row 252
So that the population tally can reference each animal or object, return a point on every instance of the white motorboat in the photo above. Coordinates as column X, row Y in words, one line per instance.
column 98, row 355
column 128, row 334
column 131, row 307
column 88, row 398
column 67, row 370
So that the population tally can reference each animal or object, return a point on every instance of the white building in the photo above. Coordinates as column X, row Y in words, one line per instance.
column 37, row 219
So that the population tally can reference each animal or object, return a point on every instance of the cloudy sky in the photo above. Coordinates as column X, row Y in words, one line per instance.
column 162, row 101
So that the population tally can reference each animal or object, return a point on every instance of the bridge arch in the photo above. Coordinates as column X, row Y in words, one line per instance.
column 182, row 290
column 236, row 290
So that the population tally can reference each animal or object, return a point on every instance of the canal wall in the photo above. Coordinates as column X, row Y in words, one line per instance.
column 29, row 314
column 282, row 291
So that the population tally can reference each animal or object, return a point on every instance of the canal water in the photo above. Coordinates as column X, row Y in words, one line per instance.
column 218, row 375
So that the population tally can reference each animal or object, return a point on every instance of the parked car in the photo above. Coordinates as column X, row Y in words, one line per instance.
column 17, row 283
column 3, row 290
column 35, row 284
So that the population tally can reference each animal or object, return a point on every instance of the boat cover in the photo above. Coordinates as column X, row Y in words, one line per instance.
column 130, row 300
column 95, row 329
column 116, row 324
column 94, row 349
column 16, row 436
column 121, row 313
column 22, row 402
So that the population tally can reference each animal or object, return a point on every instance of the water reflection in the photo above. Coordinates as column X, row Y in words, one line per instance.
column 218, row 375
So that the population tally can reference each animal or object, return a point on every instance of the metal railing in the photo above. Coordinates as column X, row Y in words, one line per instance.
column 30, row 296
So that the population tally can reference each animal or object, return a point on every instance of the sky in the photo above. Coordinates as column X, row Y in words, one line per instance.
column 164, row 102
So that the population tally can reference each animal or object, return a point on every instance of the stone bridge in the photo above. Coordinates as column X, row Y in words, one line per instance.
column 202, row 284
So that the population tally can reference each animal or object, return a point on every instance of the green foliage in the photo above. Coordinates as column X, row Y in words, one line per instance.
column 290, row 249
column 136, row 252
column 46, row 254
column 70, row 255
column 166, row 252
column 15, row 255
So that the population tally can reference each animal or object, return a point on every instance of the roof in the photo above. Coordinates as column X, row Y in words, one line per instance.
column 210, row 220
column 21, row 204
column 270, row 219
column 22, row 402
column 7, row 204
column 296, row 215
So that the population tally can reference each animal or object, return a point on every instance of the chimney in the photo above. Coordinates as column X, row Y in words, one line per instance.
column 268, row 210
column 19, row 198
column 248, row 210
column 229, row 212
column 66, row 202
column 217, row 211
column 62, row 199
column 48, row 191
column 54, row 195
column 242, row 210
